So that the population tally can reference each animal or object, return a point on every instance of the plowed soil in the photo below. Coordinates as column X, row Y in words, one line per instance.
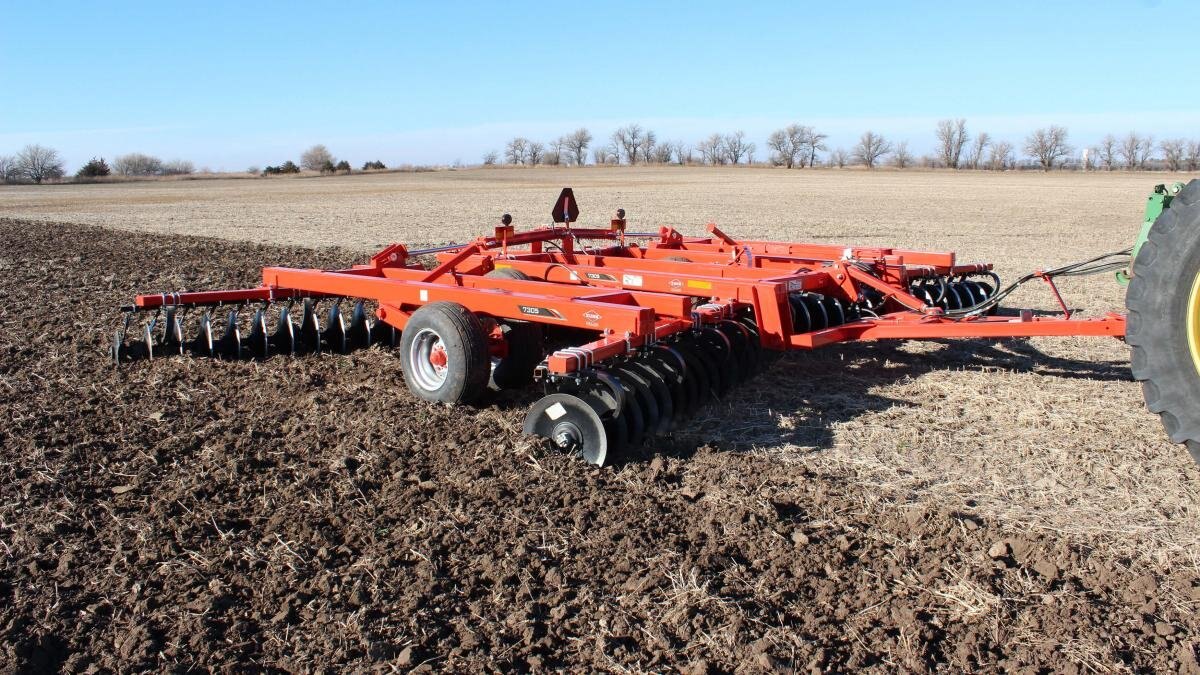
column 310, row 514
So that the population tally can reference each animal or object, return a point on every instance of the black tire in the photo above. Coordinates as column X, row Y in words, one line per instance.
column 525, row 352
column 525, row 348
column 508, row 273
column 460, row 335
column 1165, row 274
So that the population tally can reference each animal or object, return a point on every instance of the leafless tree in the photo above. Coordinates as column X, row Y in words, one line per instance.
column 1174, row 152
column 627, row 140
column 1048, row 146
column 871, row 148
column 490, row 158
column 8, row 168
column 178, row 167
column 534, row 153
column 838, row 158
column 1130, row 145
column 39, row 163
column 681, row 152
column 576, row 145
column 1193, row 155
column 901, row 157
column 1145, row 151
column 601, row 155
column 516, row 150
column 815, row 143
column 662, row 153
column 952, row 138
column 1001, row 157
column 137, row 164
column 646, row 146
column 982, row 141
column 1107, row 150
column 316, row 158
column 712, row 149
column 736, row 147
column 787, row 144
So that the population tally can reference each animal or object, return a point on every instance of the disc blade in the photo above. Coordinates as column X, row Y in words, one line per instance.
column 657, row 382
column 358, row 334
column 643, row 396
column 230, row 344
column 283, row 340
column 256, row 342
column 572, row 424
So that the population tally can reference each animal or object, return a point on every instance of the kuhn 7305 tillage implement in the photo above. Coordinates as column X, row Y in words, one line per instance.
column 630, row 333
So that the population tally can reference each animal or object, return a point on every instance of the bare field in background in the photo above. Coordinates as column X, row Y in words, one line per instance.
column 1048, row 435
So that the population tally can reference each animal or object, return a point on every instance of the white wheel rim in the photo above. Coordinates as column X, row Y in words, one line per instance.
column 423, row 355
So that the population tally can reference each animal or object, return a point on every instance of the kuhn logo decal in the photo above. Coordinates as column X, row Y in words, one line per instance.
column 592, row 316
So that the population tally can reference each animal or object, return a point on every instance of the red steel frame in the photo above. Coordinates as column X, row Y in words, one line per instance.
column 635, row 295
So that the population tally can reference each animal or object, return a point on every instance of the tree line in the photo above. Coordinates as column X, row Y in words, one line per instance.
column 799, row 146
column 38, row 164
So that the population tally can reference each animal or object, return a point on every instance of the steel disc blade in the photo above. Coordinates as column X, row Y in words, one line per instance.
column 230, row 344
column 816, row 309
column 955, row 297
column 671, row 363
column 334, row 335
column 644, row 396
column 171, row 341
column 977, row 294
column 834, row 310
column 631, row 411
column 384, row 333
column 701, row 373
column 202, row 344
column 801, row 319
column 115, row 348
column 616, row 429
column 713, row 344
column 310, row 328
column 657, row 381
column 283, row 340
column 739, row 341
column 257, row 341
column 148, row 340
column 573, row 424
column 358, row 334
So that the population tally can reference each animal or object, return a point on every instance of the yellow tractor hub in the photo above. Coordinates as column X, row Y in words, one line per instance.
column 1193, row 322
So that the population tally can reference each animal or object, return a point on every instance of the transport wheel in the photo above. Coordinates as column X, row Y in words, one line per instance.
column 524, row 354
column 444, row 354
column 1164, row 318
column 508, row 273
column 525, row 349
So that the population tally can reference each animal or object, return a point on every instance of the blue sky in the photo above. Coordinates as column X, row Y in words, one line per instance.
column 230, row 85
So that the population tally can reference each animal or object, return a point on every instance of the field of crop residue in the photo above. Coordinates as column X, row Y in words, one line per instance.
column 971, row 505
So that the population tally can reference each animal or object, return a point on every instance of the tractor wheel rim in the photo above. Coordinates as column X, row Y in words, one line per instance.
column 429, row 360
column 1193, row 322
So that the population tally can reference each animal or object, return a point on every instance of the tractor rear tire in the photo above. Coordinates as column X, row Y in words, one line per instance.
column 1163, row 330
column 444, row 354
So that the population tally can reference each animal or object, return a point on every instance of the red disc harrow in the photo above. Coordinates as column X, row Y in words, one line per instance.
column 628, row 333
